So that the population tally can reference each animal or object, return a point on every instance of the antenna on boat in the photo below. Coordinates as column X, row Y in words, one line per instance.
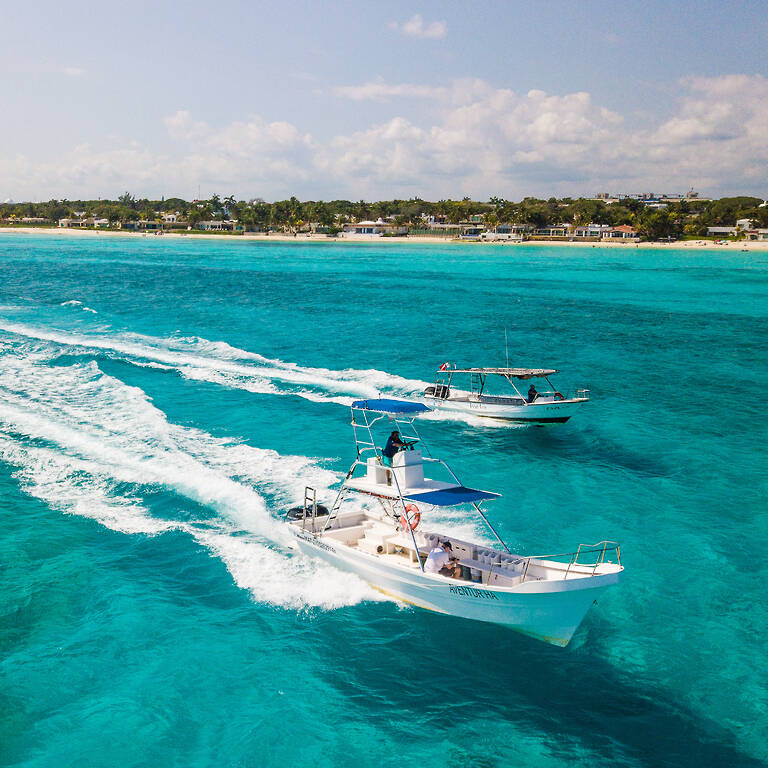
column 506, row 345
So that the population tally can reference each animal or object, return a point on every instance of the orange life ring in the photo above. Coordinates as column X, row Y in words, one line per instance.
column 411, row 509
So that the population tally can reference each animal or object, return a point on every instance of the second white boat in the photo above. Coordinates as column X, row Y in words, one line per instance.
column 541, row 407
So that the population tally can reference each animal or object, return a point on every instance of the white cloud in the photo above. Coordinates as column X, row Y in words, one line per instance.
column 378, row 90
column 418, row 28
column 476, row 140
column 484, row 139
column 74, row 71
column 460, row 91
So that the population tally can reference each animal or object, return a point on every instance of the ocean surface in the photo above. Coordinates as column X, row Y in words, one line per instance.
column 163, row 401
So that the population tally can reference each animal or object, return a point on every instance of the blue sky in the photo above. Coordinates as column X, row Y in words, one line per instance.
column 376, row 100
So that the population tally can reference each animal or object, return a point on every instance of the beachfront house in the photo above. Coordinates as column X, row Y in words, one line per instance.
column 471, row 231
column 623, row 233
column 506, row 233
column 365, row 228
column 591, row 231
column 553, row 232
column 81, row 221
column 375, row 228
column 224, row 225
column 721, row 231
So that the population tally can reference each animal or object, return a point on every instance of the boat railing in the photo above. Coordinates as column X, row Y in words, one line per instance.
column 399, row 500
column 571, row 559
column 310, row 503
column 583, row 394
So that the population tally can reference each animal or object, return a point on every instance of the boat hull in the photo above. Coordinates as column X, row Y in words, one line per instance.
column 547, row 610
column 551, row 412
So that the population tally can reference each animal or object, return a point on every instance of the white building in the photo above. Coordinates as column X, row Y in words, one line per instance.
column 366, row 228
column 595, row 231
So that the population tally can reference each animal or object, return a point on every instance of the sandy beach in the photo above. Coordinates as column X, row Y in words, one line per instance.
column 373, row 239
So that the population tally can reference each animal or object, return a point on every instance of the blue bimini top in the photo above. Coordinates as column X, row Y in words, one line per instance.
column 383, row 405
column 449, row 497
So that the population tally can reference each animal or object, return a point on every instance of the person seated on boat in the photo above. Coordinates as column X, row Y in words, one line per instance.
column 394, row 445
column 441, row 560
column 532, row 393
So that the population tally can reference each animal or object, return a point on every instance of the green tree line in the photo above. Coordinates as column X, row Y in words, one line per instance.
column 684, row 217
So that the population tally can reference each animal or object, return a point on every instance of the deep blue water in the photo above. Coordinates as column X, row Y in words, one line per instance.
column 162, row 401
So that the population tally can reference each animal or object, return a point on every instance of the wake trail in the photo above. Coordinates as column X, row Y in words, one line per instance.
column 88, row 444
column 217, row 362
column 220, row 363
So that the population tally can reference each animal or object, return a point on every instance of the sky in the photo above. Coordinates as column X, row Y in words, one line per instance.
column 373, row 100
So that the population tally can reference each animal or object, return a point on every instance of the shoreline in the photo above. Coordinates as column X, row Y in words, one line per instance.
column 747, row 245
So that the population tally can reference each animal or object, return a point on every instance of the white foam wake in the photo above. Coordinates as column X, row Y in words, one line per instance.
column 88, row 444
column 217, row 362
column 77, row 304
column 220, row 363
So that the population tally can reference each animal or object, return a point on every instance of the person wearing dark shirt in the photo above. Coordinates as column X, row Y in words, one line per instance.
column 532, row 393
column 394, row 445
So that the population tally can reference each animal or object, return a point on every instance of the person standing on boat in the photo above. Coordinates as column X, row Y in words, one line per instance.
column 394, row 445
column 441, row 560
column 532, row 393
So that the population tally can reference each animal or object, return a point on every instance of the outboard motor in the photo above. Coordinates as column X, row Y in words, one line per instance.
column 297, row 513
column 442, row 391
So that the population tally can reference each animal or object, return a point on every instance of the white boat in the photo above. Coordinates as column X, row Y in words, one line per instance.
column 547, row 406
column 545, row 597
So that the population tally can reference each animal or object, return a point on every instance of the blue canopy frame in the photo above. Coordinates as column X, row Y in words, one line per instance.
column 386, row 405
column 450, row 497
column 404, row 412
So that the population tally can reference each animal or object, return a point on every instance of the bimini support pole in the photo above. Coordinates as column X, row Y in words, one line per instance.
column 493, row 530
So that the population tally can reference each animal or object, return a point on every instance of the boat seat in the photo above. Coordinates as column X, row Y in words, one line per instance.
column 374, row 545
column 347, row 535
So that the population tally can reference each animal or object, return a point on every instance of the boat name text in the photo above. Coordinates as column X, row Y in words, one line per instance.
column 312, row 540
column 472, row 592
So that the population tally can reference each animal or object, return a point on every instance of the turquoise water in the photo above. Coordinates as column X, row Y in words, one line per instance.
column 162, row 401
